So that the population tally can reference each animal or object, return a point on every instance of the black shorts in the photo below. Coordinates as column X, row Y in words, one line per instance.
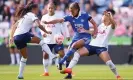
column 22, row 40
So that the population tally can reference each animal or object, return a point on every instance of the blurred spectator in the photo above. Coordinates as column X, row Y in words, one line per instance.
column 130, row 13
column 1, row 6
column 96, row 17
column 118, row 15
column 87, row 7
column 120, row 29
column 123, row 15
column 6, row 14
column 110, row 8
column 59, row 11
column 125, row 19
column 93, row 5
column 81, row 4
column 127, row 2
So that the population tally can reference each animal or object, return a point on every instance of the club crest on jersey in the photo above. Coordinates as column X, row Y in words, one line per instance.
column 82, row 20
column 73, row 20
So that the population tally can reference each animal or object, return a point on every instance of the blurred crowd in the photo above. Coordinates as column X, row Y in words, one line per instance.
column 121, row 9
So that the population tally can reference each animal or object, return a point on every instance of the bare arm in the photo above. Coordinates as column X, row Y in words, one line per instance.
column 41, row 27
column 13, row 29
column 95, row 27
column 113, row 23
column 54, row 21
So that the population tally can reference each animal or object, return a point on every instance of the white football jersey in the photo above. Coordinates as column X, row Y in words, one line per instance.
column 104, row 35
column 25, row 23
column 58, row 28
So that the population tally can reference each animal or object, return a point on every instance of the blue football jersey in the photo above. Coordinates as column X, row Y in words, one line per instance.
column 80, row 23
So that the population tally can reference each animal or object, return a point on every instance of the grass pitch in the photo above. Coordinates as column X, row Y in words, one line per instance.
column 82, row 72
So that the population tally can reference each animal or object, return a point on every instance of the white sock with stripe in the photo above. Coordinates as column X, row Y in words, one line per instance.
column 22, row 66
column 74, row 61
column 12, row 58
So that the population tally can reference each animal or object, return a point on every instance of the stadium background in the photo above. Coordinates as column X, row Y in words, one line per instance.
column 120, row 44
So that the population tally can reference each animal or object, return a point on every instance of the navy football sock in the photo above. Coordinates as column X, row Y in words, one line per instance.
column 67, row 64
column 69, row 53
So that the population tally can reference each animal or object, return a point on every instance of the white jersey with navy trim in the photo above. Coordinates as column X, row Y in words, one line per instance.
column 58, row 28
column 25, row 23
column 104, row 35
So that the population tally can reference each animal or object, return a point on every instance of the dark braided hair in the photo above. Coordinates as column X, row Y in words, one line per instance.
column 21, row 11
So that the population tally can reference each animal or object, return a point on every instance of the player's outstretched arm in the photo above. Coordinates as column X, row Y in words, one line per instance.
column 95, row 28
column 54, row 21
column 41, row 27
column 113, row 23
column 13, row 29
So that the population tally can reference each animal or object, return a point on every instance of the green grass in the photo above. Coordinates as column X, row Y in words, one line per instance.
column 82, row 72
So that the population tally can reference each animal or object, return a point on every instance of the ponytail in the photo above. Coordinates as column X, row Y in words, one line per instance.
column 21, row 11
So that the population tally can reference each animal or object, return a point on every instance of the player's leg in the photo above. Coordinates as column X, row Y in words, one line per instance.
column 59, row 49
column 81, row 52
column 17, row 55
column 12, row 55
column 106, row 58
column 45, row 64
column 23, row 61
column 61, row 55
column 44, row 46
column 75, row 46
column 47, row 61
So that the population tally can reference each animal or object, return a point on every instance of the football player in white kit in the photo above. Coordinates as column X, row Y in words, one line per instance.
column 58, row 30
column 20, row 34
column 98, row 45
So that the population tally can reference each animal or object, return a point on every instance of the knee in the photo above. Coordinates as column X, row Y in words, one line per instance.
column 61, row 54
column 23, row 59
column 74, row 45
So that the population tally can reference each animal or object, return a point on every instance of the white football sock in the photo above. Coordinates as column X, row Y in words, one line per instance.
column 74, row 61
column 45, row 64
column 18, row 58
column 112, row 67
column 46, row 49
column 12, row 58
column 22, row 66
column 56, row 61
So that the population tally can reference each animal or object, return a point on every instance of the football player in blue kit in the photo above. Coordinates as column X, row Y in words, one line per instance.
column 80, row 25
column 98, row 46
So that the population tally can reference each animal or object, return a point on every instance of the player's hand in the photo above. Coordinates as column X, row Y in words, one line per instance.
column 45, row 22
column 44, row 35
column 106, row 13
column 11, row 40
column 68, row 38
column 91, row 31
column 94, row 35
column 49, row 32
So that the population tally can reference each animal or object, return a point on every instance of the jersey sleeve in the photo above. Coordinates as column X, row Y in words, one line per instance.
column 33, row 17
column 88, row 16
column 42, row 19
column 66, row 18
